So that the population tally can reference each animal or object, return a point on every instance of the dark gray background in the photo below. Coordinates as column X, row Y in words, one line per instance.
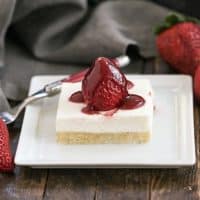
column 190, row 7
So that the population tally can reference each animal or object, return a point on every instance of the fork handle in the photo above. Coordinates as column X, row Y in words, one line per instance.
column 54, row 88
column 49, row 90
column 29, row 99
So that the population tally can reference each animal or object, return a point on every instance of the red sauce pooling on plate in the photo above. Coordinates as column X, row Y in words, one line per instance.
column 132, row 101
column 77, row 97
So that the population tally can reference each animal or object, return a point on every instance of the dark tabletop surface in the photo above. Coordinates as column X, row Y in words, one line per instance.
column 182, row 183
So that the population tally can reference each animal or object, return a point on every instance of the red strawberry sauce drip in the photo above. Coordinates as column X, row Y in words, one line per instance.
column 89, row 110
column 76, row 77
column 132, row 101
column 77, row 97
column 129, row 84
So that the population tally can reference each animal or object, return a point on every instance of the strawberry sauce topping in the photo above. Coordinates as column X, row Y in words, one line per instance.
column 89, row 110
column 105, row 90
column 129, row 84
column 132, row 101
column 77, row 97
column 77, row 77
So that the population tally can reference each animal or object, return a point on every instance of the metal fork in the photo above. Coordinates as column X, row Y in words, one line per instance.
column 48, row 91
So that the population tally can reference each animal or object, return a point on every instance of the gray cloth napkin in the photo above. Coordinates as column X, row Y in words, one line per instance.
column 68, row 31
column 44, row 32
column 4, row 106
column 6, row 12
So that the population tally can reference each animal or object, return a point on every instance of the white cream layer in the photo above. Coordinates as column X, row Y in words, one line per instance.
column 71, row 119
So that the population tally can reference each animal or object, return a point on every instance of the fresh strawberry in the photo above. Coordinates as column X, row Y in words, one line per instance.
column 6, row 160
column 104, row 86
column 197, row 83
column 178, row 43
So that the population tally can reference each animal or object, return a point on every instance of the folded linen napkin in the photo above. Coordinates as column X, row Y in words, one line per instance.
column 4, row 106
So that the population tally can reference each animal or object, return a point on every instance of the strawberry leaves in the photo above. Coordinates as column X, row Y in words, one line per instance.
column 173, row 19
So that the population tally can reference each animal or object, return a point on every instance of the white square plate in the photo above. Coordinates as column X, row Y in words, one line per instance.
column 172, row 143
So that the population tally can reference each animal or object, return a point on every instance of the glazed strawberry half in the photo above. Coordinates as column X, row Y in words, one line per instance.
column 178, row 43
column 104, row 86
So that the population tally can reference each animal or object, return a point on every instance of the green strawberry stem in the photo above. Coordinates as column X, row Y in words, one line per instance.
column 173, row 19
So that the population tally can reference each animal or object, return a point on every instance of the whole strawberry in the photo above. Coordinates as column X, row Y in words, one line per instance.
column 6, row 160
column 104, row 86
column 178, row 43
